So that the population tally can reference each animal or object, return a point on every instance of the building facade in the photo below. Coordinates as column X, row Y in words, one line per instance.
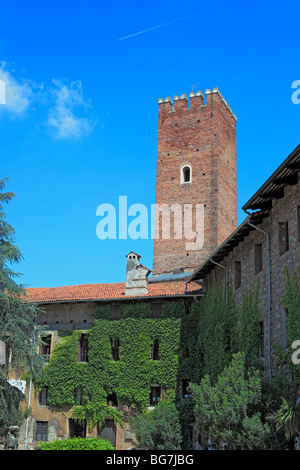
column 263, row 249
column 196, row 165
column 121, row 347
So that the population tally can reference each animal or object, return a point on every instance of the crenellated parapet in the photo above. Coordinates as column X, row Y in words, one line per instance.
column 196, row 102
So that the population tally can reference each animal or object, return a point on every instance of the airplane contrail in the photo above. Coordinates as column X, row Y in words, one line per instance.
column 159, row 26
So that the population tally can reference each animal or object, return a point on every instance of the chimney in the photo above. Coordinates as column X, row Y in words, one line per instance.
column 136, row 276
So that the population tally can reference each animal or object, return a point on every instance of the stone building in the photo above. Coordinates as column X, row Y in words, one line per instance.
column 196, row 165
column 138, row 333
column 264, row 245
column 72, row 309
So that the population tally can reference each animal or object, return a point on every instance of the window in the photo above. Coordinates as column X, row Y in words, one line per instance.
column 115, row 312
column 44, row 396
column 41, row 431
column 188, row 308
column 115, row 344
column 78, row 396
column 261, row 339
column 77, row 428
column 186, row 174
column 156, row 309
column 185, row 391
column 112, row 400
column 155, row 350
column 283, row 237
column 237, row 274
column 108, row 431
column 83, row 348
column 186, row 353
column 258, row 258
column 154, row 395
column 45, row 348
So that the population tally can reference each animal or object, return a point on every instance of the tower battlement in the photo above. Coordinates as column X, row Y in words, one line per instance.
column 213, row 98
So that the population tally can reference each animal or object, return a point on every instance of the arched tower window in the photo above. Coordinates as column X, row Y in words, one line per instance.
column 186, row 174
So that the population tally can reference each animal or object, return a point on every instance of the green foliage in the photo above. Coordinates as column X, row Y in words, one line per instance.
column 130, row 377
column 17, row 319
column 226, row 411
column 78, row 443
column 217, row 332
column 250, row 316
column 287, row 419
column 158, row 429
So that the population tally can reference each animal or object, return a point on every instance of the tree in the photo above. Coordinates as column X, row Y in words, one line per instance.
column 158, row 429
column 287, row 419
column 227, row 412
column 18, row 330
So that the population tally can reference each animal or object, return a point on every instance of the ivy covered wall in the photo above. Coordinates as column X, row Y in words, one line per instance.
column 195, row 337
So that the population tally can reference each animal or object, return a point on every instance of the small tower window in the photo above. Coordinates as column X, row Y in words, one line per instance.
column 186, row 174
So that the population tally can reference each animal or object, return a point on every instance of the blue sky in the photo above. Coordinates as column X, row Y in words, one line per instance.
column 79, row 127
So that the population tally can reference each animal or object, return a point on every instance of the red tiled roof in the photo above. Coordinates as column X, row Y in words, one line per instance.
column 115, row 291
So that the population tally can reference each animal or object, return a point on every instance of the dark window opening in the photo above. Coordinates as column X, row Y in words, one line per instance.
column 188, row 308
column 186, row 173
column 45, row 348
column 79, row 396
column 185, row 389
column 283, row 238
column 41, row 431
column 112, row 400
column 115, row 344
column 115, row 312
column 237, row 274
column 77, row 428
column 44, row 397
column 155, row 350
column 258, row 258
column 108, row 431
column 186, row 353
column 156, row 309
column 83, row 348
column 154, row 395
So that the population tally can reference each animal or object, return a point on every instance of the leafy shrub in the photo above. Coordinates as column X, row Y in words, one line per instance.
column 78, row 443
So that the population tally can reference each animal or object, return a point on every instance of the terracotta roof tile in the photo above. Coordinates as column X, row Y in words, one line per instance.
column 115, row 291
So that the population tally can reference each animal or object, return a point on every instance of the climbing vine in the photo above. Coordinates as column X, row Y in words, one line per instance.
column 249, row 336
column 291, row 302
column 129, row 377
column 194, row 338
column 217, row 338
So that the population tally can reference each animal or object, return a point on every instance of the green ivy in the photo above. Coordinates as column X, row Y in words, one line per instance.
column 217, row 332
column 250, row 317
column 291, row 301
column 131, row 376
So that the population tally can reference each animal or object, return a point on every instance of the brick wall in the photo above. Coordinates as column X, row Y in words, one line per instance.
column 283, row 210
column 203, row 137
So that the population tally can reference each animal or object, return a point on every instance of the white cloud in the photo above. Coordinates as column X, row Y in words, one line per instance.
column 18, row 94
column 64, row 118
column 63, row 103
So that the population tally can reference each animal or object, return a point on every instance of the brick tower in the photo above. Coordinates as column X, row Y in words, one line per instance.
column 196, row 165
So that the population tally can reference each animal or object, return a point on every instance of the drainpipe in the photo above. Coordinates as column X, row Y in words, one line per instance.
column 226, row 276
column 29, row 397
column 269, row 290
